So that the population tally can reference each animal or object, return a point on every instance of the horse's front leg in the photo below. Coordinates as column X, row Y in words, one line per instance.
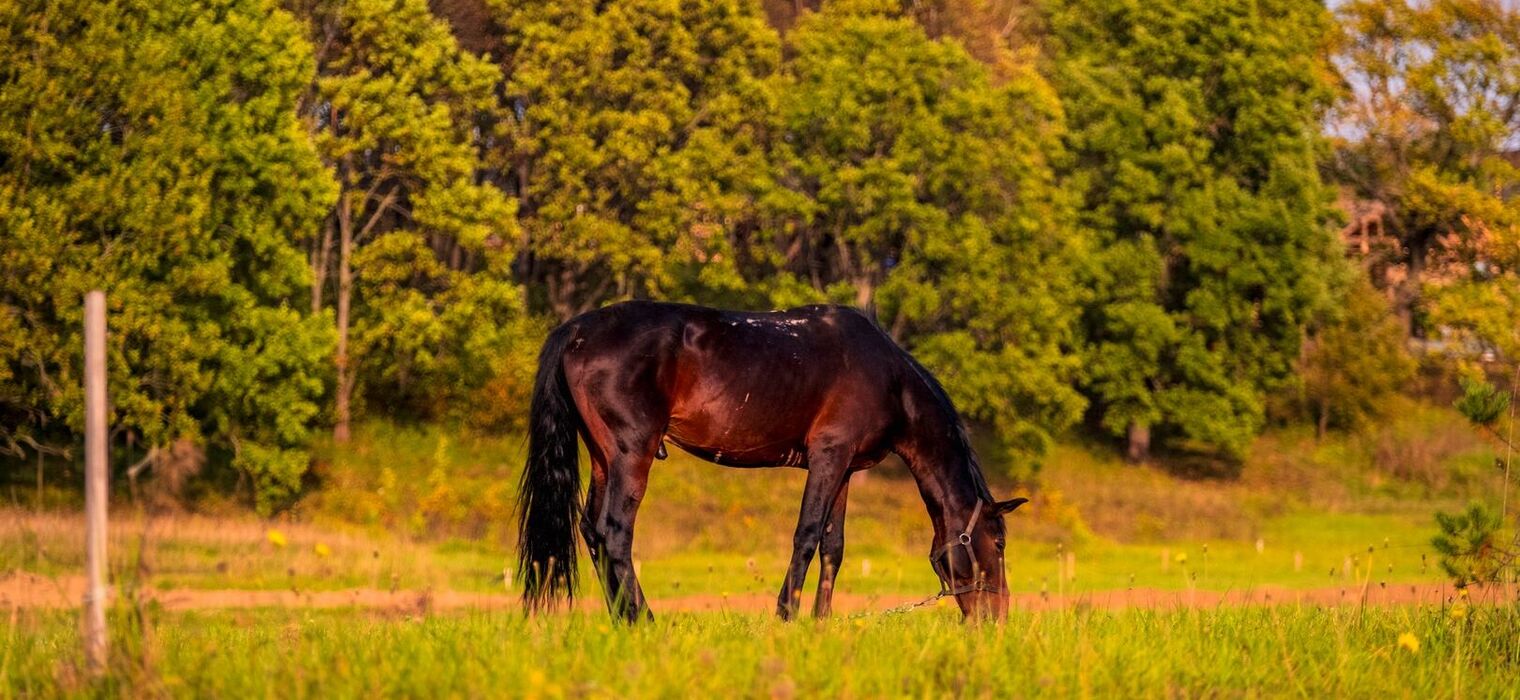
column 826, row 475
column 831, row 553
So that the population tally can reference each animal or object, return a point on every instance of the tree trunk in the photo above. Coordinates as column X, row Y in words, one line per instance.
column 561, row 285
column 345, row 294
column 1323, row 425
column 865, row 294
column 320, row 258
column 1409, row 289
column 1139, row 448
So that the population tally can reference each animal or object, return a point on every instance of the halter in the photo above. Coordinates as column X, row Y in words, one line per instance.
column 977, row 585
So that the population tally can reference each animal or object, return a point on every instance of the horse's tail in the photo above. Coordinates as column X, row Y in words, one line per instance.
column 548, row 499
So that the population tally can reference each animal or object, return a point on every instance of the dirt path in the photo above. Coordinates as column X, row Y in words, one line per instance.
column 38, row 592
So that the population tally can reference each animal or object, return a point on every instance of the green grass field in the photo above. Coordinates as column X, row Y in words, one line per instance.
column 432, row 509
column 428, row 510
column 1244, row 652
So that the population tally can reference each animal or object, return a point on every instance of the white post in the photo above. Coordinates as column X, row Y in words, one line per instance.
column 95, row 480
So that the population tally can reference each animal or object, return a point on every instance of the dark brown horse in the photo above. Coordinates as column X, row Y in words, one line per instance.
column 821, row 388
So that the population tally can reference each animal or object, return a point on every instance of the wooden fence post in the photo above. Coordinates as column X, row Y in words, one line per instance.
column 95, row 480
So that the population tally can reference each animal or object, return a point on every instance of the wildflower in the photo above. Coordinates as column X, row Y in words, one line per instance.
column 1408, row 641
column 322, row 550
column 1458, row 610
column 1181, row 558
column 276, row 538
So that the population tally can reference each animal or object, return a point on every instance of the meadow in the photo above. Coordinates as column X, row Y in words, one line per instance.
column 1452, row 651
column 392, row 578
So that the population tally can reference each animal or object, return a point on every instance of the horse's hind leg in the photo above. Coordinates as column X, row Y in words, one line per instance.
column 595, row 495
column 831, row 553
column 627, row 479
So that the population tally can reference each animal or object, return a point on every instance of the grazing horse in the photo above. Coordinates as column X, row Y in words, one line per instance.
column 819, row 387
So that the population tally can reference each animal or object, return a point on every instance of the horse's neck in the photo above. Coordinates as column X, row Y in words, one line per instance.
column 940, row 465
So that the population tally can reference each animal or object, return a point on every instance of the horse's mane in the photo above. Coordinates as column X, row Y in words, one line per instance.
column 959, row 438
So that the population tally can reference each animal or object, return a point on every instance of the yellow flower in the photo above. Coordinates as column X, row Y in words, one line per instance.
column 1458, row 610
column 1410, row 642
column 276, row 538
column 1181, row 558
column 322, row 550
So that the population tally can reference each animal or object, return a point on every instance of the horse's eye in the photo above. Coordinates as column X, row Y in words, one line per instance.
column 1000, row 544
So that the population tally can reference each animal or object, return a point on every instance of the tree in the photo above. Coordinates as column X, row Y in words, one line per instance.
column 153, row 151
column 1427, row 134
column 1471, row 547
column 911, row 185
column 1194, row 136
column 635, row 144
column 1427, row 130
column 402, row 114
column 1354, row 361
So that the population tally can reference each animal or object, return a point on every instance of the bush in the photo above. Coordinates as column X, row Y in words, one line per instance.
column 1471, row 546
column 1355, row 363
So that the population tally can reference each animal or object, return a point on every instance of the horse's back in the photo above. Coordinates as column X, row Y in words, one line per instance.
column 738, row 387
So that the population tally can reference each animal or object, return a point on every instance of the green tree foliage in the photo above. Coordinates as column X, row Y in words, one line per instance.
column 636, row 143
column 427, row 310
column 1354, row 362
column 1471, row 546
column 1428, row 131
column 1481, row 402
column 909, row 183
column 152, row 150
column 1066, row 208
column 1194, row 135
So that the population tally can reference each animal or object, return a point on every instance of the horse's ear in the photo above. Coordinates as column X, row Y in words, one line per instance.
column 1010, row 505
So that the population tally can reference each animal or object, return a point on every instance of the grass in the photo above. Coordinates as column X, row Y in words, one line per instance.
column 429, row 508
column 420, row 509
column 186, row 551
column 1300, row 550
column 1275, row 651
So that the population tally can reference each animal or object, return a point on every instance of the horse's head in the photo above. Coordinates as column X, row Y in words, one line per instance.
column 969, row 560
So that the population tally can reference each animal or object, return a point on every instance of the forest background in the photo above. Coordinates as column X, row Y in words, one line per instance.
column 1154, row 229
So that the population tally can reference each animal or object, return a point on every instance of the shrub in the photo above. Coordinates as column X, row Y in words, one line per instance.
column 1470, row 545
column 1354, row 363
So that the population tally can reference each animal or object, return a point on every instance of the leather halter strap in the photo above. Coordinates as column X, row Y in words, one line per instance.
column 962, row 540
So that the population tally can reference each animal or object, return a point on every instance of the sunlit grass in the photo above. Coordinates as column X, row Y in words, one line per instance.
column 427, row 510
column 1289, row 650
column 1297, row 551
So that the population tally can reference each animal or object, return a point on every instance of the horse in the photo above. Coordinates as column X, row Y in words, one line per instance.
column 821, row 388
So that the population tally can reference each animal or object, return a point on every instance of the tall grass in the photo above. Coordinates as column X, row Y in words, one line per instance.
column 419, row 508
column 1280, row 651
